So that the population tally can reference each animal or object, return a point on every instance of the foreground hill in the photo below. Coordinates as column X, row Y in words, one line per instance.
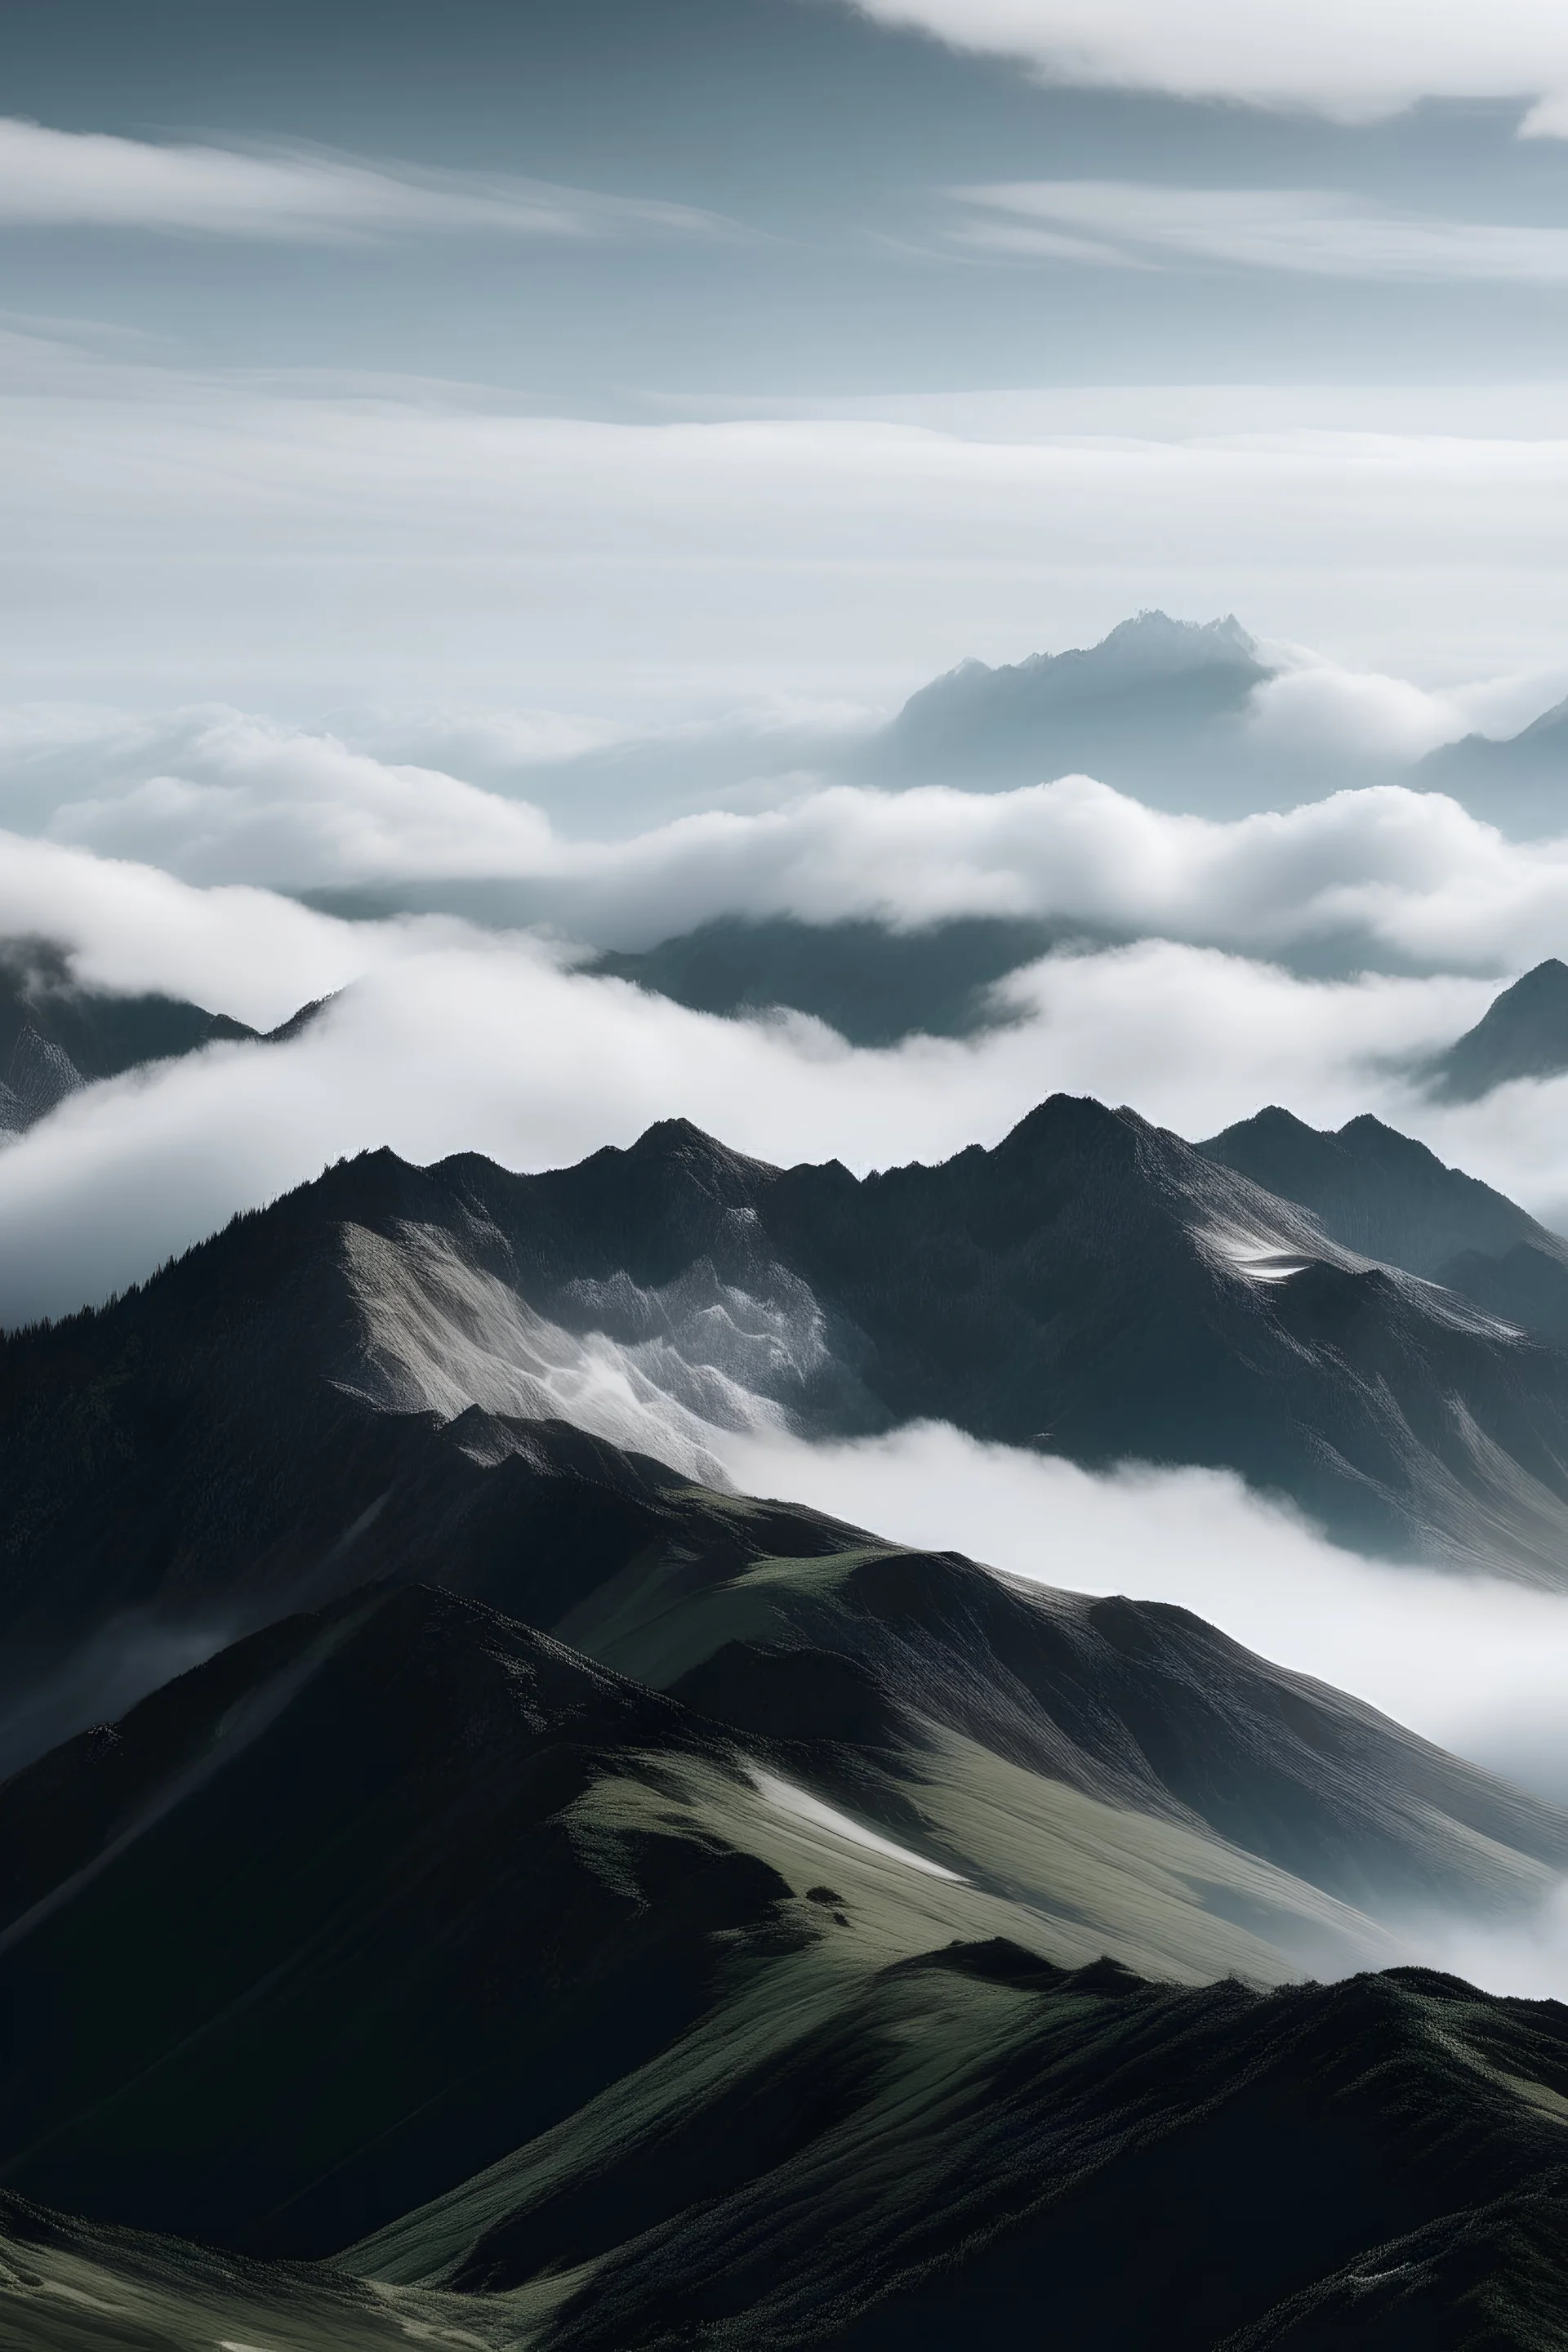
column 1374, row 2166
column 772, row 2009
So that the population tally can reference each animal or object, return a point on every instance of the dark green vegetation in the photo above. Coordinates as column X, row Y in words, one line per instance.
column 401, row 1923
column 1386, row 1196
column 1523, row 1034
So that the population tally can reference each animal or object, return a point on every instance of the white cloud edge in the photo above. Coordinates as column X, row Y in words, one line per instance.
column 1304, row 232
column 76, row 179
column 1355, row 61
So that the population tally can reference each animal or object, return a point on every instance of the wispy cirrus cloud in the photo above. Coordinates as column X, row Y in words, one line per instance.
column 1310, row 232
column 76, row 179
column 1356, row 60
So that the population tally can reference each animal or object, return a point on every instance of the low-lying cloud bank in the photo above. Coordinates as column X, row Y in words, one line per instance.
column 460, row 1041
column 445, row 1039
column 1385, row 876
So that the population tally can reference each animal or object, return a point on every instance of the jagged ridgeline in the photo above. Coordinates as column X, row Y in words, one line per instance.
column 564, row 1903
column 278, row 1415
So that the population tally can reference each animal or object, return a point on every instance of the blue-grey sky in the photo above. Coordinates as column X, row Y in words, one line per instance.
column 829, row 145
column 917, row 329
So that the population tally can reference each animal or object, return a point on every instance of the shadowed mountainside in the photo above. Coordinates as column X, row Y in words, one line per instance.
column 374, row 1374
column 702, row 1920
column 1523, row 1033
column 403, row 1918
column 873, row 985
column 57, row 1036
column 1387, row 1196
column 1518, row 782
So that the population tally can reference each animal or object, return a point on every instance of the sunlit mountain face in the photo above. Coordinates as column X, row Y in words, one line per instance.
column 784, row 1233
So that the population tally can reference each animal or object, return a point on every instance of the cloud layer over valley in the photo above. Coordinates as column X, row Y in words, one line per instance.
column 446, row 1039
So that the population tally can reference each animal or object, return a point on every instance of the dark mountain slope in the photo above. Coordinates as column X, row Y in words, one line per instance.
column 403, row 1901
column 1363, row 2169
column 1134, row 1704
column 1387, row 1196
column 782, row 1624
column 280, row 1415
column 56, row 1036
column 872, row 985
column 1523, row 1033
column 1093, row 1285
column 310, row 1935
column 1117, row 2163
column 68, row 2286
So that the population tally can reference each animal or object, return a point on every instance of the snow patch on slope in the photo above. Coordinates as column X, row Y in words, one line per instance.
column 442, row 1334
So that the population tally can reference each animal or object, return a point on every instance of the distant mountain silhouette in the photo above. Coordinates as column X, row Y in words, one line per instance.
column 873, row 985
column 56, row 1036
column 1142, row 706
column 1388, row 1197
column 1523, row 1033
column 1519, row 781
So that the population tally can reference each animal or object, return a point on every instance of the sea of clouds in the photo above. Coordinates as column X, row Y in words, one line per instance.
column 1311, row 957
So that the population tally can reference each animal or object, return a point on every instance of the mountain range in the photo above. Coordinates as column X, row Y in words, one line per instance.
column 469, row 1877
column 1161, row 708
column 331, row 1387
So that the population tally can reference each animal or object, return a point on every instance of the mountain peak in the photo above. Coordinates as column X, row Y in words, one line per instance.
column 1159, row 642
column 1523, row 1033
column 1109, row 710
column 677, row 1143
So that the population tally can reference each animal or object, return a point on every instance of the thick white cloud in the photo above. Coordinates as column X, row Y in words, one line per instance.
column 235, row 950
column 1357, row 60
column 1313, row 232
column 1315, row 710
column 223, row 797
column 1390, row 875
column 76, row 179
